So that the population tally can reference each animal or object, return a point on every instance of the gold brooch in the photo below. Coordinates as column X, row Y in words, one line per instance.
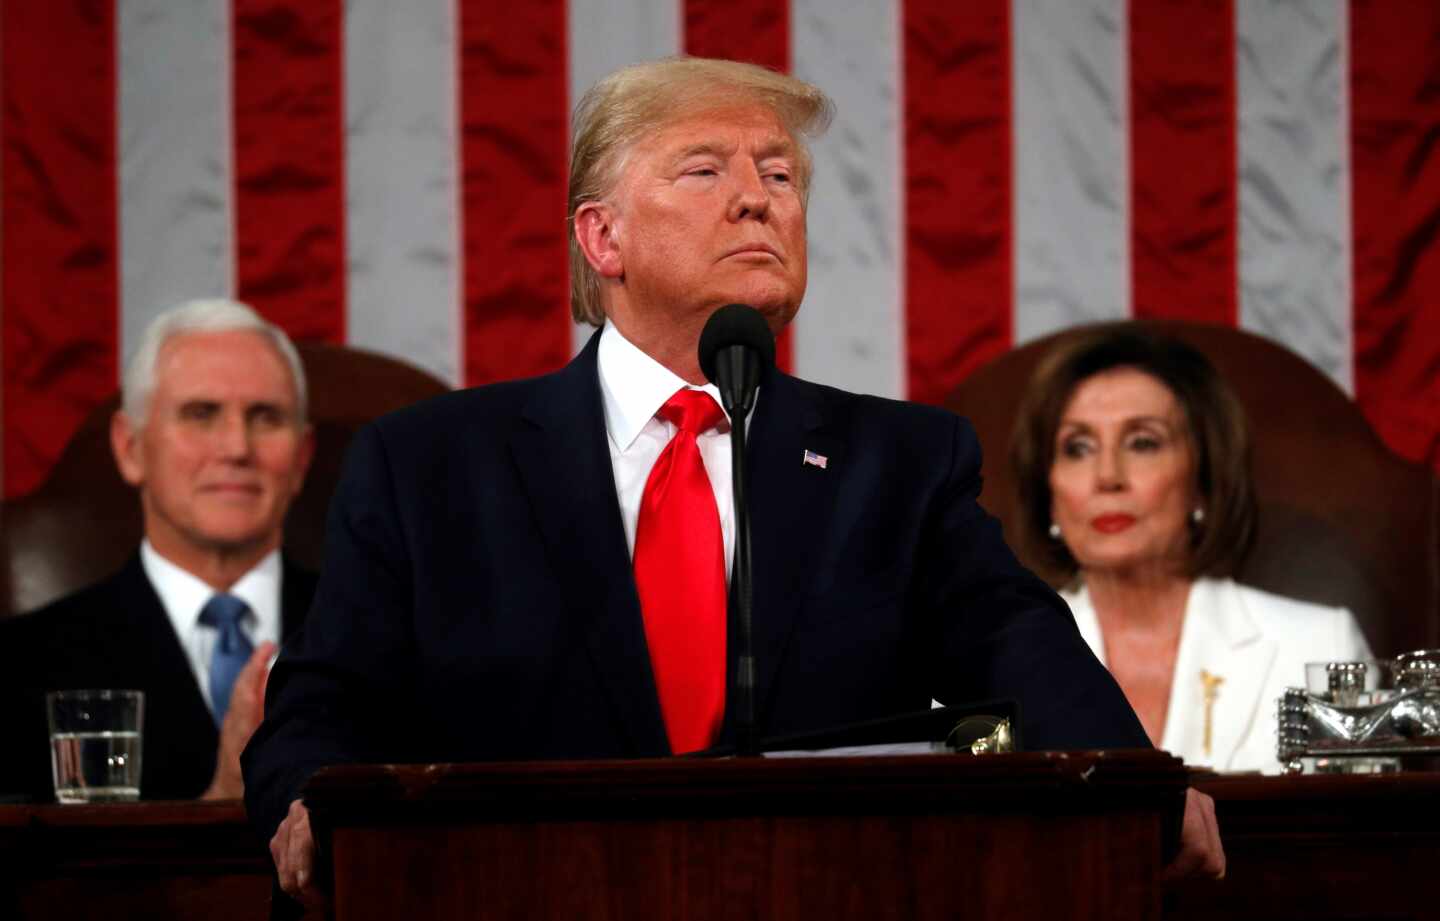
column 1211, row 684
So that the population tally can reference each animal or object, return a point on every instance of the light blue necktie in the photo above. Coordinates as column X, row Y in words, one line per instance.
column 232, row 648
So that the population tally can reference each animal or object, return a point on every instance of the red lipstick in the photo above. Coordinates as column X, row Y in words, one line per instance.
column 1112, row 524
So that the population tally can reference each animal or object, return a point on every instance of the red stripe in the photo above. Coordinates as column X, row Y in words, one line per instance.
column 1182, row 111
column 1395, row 175
column 513, row 102
column 58, row 225
column 290, row 163
column 957, row 190
column 755, row 31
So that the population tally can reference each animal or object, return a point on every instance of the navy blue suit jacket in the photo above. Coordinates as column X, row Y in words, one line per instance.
column 477, row 600
column 116, row 634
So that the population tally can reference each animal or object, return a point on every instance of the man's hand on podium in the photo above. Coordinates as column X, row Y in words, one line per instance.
column 1201, row 854
column 293, row 849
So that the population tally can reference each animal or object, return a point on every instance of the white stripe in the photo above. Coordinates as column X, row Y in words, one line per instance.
column 1294, row 179
column 605, row 35
column 1345, row 372
column 402, row 192
column 608, row 34
column 176, row 216
column 1071, row 158
column 850, row 331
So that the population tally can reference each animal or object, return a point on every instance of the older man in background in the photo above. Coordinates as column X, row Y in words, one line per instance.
column 538, row 569
column 212, row 432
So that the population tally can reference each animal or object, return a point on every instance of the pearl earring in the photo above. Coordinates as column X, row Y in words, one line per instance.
column 1198, row 516
column 1054, row 531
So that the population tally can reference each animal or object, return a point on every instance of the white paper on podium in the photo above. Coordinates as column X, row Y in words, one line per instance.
column 862, row 751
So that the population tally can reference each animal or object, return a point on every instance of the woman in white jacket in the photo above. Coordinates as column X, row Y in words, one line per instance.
column 1132, row 457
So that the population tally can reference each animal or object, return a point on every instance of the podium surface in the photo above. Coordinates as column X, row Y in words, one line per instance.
column 1321, row 847
column 1005, row 836
column 153, row 861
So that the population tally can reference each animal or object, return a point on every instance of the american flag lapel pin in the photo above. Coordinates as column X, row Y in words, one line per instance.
column 815, row 460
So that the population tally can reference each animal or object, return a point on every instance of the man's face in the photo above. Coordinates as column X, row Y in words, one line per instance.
column 708, row 211
column 222, row 451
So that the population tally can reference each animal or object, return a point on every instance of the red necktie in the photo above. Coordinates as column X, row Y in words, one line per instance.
column 680, row 574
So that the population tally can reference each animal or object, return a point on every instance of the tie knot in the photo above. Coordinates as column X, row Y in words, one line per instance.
column 693, row 411
column 223, row 611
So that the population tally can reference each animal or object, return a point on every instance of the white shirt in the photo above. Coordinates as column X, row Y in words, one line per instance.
column 183, row 596
column 634, row 387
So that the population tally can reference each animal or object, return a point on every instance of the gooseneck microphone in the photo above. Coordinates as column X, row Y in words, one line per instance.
column 736, row 347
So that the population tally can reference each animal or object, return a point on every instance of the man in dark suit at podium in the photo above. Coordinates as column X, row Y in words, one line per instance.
column 537, row 569
column 212, row 433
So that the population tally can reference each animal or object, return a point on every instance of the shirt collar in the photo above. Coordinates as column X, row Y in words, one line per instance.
column 184, row 595
column 634, row 387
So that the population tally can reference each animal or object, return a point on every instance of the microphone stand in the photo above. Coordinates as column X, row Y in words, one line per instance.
column 742, row 598
column 738, row 370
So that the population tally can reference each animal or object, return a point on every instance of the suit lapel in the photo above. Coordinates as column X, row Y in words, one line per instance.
column 1222, row 641
column 564, row 467
column 790, row 508
column 181, row 723
column 161, row 647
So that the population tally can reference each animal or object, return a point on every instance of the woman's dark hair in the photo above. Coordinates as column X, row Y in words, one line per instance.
column 1214, row 418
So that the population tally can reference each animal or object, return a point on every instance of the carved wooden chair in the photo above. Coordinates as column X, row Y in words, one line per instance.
column 1342, row 520
column 84, row 521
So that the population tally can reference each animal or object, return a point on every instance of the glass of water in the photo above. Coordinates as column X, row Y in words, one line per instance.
column 95, row 745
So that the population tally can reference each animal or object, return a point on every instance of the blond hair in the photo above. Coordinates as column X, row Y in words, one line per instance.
column 634, row 101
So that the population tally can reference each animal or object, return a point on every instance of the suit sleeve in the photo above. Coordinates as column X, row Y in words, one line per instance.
column 25, row 772
column 1001, row 632
column 340, row 689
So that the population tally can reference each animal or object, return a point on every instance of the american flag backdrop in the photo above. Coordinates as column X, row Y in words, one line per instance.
column 391, row 174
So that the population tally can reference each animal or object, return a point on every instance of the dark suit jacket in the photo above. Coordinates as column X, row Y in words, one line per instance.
column 478, row 602
column 116, row 634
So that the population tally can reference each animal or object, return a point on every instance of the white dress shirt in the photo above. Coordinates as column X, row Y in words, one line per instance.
column 634, row 387
column 183, row 596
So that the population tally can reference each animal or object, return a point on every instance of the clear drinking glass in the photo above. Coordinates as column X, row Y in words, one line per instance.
column 1352, row 684
column 95, row 744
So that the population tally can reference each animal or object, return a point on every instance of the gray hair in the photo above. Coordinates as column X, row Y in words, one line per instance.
column 633, row 101
column 209, row 315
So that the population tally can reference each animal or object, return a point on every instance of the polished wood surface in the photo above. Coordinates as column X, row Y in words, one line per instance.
column 1012, row 836
column 153, row 861
column 1323, row 848
column 844, row 838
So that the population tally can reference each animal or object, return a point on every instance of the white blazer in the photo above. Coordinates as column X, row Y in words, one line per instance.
column 1258, row 643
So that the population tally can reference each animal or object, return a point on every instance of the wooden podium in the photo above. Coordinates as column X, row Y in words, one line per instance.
column 155, row 861
column 943, row 837
column 1321, row 847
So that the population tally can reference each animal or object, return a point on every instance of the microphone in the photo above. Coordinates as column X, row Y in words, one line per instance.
column 736, row 347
